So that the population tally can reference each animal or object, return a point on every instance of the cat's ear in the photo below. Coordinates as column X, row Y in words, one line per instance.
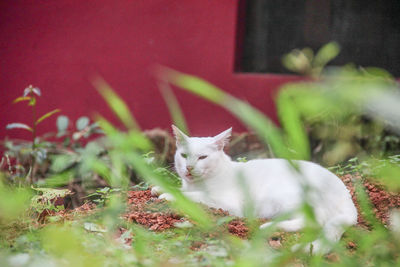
column 180, row 137
column 222, row 139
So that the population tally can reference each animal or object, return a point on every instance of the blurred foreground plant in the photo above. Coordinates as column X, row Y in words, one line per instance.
column 366, row 91
column 357, row 129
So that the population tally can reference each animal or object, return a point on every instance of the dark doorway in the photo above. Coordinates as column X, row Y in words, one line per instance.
column 367, row 31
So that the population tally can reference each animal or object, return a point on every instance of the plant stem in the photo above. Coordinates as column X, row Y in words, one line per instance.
column 33, row 158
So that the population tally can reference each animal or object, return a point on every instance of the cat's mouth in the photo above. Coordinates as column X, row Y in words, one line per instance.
column 189, row 176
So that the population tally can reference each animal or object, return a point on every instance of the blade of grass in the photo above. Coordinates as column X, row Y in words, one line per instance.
column 264, row 127
column 106, row 126
column 124, row 141
column 197, row 86
column 117, row 105
column 366, row 207
column 290, row 119
column 173, row 106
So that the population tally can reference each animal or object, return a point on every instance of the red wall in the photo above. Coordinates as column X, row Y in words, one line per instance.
column 59, row 45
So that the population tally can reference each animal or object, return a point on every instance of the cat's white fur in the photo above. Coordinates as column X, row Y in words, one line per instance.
column 209, row 176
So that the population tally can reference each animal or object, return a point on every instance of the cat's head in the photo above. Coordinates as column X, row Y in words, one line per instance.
column 197, row 158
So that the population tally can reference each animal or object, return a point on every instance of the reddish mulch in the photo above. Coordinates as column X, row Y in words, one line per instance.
column 139, row 197
column 198, row 245
column 238, row 227
column 155, row 221
column 120, row 232
column 86, row 207
column 158, row 221
column 382, row 200
column 219, row 212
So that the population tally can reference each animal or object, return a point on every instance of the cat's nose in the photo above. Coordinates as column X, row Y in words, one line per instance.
column 189, row 168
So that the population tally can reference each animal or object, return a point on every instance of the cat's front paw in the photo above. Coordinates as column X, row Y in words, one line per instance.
column 167, row 197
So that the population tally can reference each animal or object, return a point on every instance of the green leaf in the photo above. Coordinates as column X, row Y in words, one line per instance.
column 21, row 98
column 62, row 123
column 47, row 115
column 326, row 53
column 377, row 73
column 18, row 125
column 297, row 61
column 82, row 123
column 32, row 101
column 117, row 105
column 173, row 106
column 51, row 193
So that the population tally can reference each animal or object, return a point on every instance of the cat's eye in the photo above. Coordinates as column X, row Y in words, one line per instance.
column 203, row 157
column 184, row 155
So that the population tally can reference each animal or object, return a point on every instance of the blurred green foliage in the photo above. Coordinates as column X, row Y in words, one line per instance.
column 338, row 97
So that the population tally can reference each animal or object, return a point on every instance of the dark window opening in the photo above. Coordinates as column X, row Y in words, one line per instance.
column 367, row 31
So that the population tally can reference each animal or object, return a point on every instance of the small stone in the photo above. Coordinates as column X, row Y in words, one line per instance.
column 351, row 245
column 275, row 243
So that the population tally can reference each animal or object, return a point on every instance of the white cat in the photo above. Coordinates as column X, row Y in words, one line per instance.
column 209, row 176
